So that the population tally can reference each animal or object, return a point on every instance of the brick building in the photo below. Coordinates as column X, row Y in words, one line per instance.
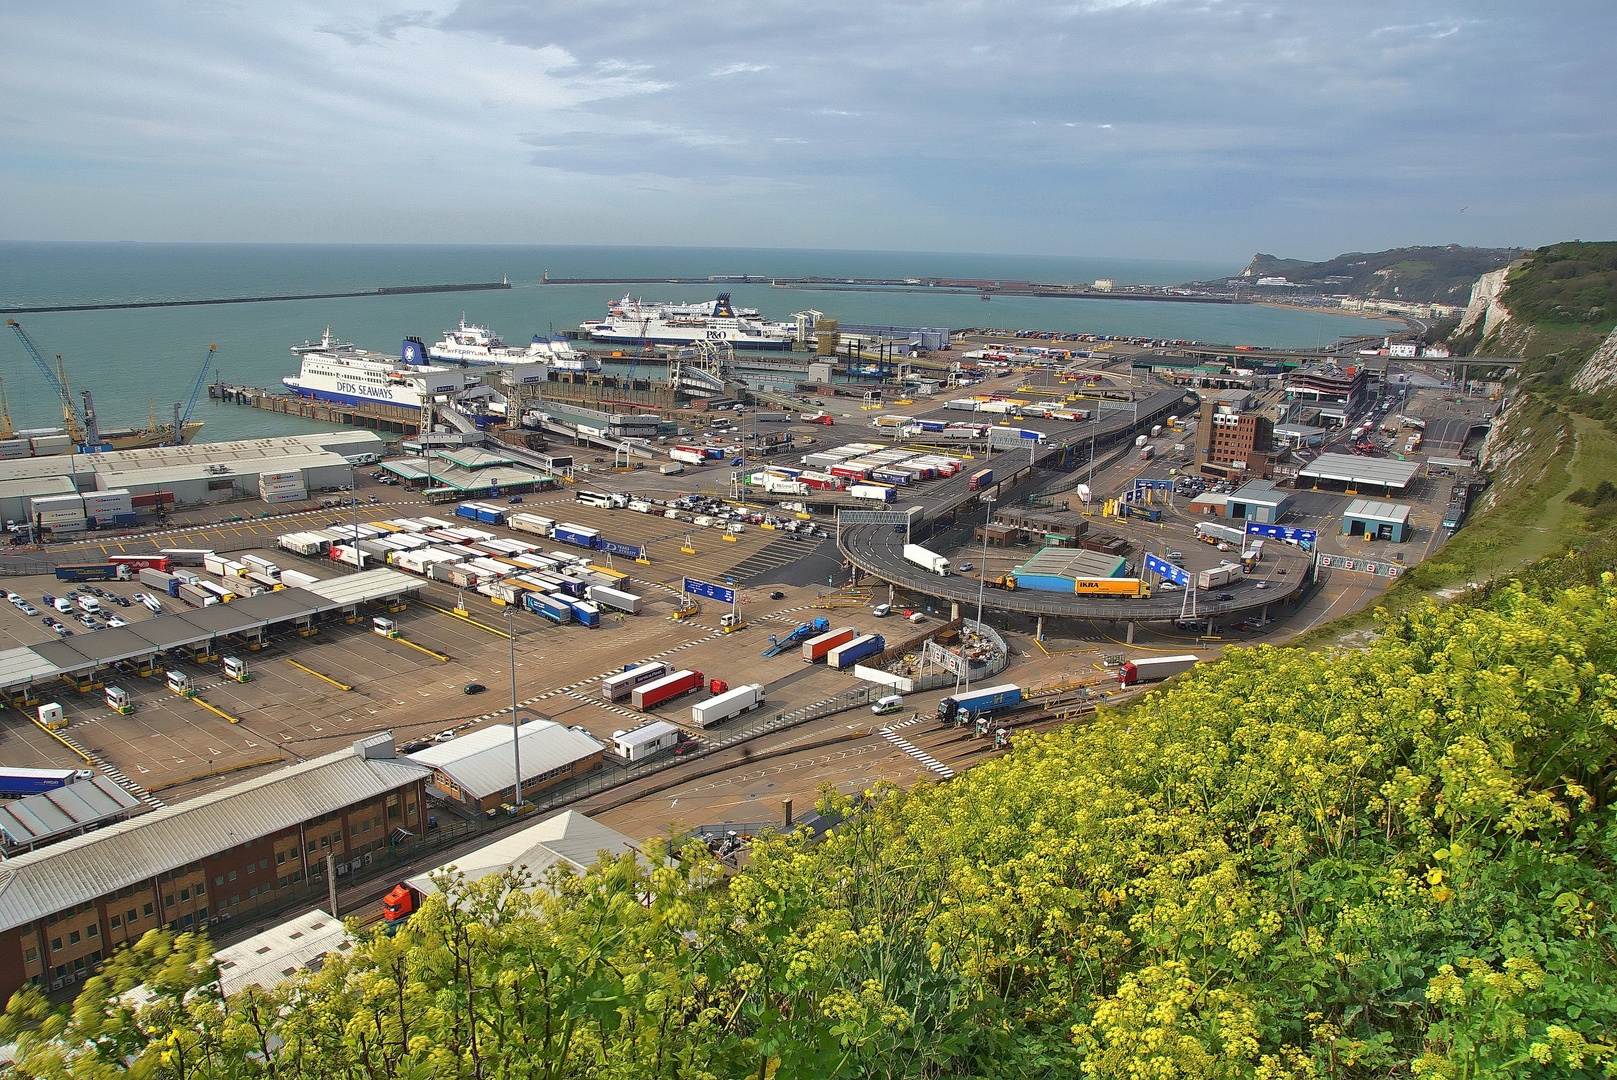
column 66, row 907
column 1339, row 393
column 1234, row 445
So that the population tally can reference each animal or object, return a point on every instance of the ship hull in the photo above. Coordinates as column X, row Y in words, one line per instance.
column 612, row 337
column 339, row 398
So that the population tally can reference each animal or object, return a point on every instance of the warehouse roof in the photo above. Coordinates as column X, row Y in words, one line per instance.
column 470, row 457
column 569, row 840
column 1371, row 510
column 271, row 958
column 1259, row 493
column 84, row 867
column 273, row 453
column 1073, row 562
column 480, row 763
column 34, row 487
column 362, row 588
column 1352, row 469
column 68, row 809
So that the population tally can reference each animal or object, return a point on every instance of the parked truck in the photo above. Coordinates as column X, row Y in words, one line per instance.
column 815, row 648
column 716, row 710
column 623, row 683
column 1155, row 668
column 852, row 652
column 665, row 689
column 577, row 534
column 142, row 562
column 1135, row 588
column 975, row 703
column 94, row 572
column 929, row 561
column 616, row 599
column 20, row 783
column 687, row 457
column 673, row 468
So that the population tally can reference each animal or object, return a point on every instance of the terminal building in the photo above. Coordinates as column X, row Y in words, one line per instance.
column 477, row 769
column 1058, row 569
column 67, row 906
column 1233, row 445
column 1377, row 520
column 1339, row 393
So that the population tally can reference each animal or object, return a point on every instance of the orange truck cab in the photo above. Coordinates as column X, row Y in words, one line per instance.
column 398, row 906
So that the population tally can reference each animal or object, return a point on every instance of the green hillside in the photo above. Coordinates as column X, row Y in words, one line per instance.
column 1419, row 274
column 1396, row 862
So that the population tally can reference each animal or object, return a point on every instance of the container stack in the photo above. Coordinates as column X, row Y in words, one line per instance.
column 58, row 513
column 58, row 442
column 104, row 509
column 282, row 487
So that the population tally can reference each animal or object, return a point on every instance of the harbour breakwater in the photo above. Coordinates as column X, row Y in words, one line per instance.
column 925, row 286
column 386, row 290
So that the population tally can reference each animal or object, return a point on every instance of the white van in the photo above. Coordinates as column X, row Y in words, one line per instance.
column 889, row 704
column 63, row 604
column 881, row 611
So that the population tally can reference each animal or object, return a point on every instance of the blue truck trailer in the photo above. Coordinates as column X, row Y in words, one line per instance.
column 94, row 572
column 578, row 535
column 852, row 652
column 20, row 783
column 584, row 612
column 977, row 703
column 556, row 610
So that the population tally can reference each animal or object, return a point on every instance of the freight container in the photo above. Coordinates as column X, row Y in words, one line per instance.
column 578, row 534
column 94, row 572
column 815, row 648
column 233, row 568
column 303, row 544
column 673, row 468
column 658, row 691
column 713, row 453
column 214, row 563
column 891, row 476
column 857, row 649
column 441, row 571
column 1141, row 441
column 961, row 404
column 225, row 593
column 615, row 599
column 297, row 579
column 687, row 457
column 620, row 685
column 1156, row 430
column 531, row 523
column 1147, row 453
column 646, row 740
column 877, row 492
column 263, row 581
column 557, row 611
column 1151, row 669
column 977, row 703
column 155, row 578
column 980, row 479
column 197, row 597
column 732, row 703
column 1218, row 575
column 1128, row 587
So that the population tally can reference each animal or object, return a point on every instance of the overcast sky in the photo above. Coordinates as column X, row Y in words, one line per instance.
column 1202, row 130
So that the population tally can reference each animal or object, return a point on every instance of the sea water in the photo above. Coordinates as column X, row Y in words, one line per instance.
column 143, row 360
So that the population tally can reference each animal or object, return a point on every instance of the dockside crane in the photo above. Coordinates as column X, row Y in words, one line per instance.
column 181, row 419
column 6, row 430
column 70, row 416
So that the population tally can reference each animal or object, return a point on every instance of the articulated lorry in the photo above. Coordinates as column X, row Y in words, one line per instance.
column 1155, row 668
column 716, row 710
column 929, row 561
column 975, row 703
column 94, row 572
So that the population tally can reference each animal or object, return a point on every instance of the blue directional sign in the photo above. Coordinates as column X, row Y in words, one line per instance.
column 631, row 551
column 712, row 592
column 1176, row 574
column 1282, row 532
column 1153, row 485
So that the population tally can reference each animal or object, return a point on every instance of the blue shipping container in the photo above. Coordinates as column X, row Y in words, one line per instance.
column 581, row 539
column 855, row 650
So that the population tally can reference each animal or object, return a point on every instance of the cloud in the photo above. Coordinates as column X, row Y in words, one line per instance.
column 1232, row 126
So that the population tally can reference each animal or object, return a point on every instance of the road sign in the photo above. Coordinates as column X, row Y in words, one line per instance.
column 1176, row 574
column 1282, row 532
column 632, row 551
column 1141, row 484
column 712, row 592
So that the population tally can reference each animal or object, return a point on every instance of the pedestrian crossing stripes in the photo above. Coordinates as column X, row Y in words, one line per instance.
column 112, row 773
column 916, row 752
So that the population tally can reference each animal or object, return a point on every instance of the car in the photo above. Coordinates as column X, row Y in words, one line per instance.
column 62, row 631
column 374, row 498
column 50, row 601
column 1226, row 596
column 1261, row 585
column 967, row 565
column 114, row 620
column 413, row 745
column 121, row 601
column 515, row 500
column 444, row 736
column 473, row 688
column 689, row 746
column 777, row 595
column 28, row 609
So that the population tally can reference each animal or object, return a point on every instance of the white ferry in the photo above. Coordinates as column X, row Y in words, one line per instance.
column 631, row 322
column 472, row 344
column 353, row 376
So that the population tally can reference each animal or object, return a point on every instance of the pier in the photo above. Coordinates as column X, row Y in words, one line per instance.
column 383, row 419
column 386, row 290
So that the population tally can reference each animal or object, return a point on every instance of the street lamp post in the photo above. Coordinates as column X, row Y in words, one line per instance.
column 982, row 580
column 516, row 721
